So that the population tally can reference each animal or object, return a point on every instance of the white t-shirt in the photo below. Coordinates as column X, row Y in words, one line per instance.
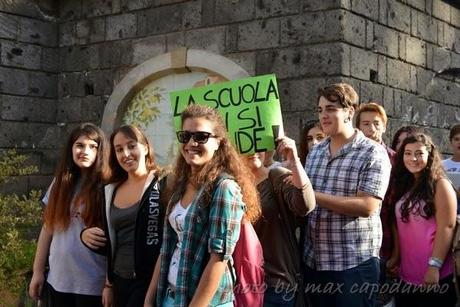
column 452, row 169
column 73, row 267
column 176, row 219
column 451, row 166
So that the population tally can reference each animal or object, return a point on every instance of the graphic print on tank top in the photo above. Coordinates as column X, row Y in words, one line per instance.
column 176, row 219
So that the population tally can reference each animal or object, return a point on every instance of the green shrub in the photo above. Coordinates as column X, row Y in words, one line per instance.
column 20, row 220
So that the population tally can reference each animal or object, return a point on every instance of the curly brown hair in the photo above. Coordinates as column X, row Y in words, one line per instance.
column 422, row 188
column 225, row 160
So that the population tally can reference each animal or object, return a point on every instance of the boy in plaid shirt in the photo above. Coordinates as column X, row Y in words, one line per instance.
column 350, row 175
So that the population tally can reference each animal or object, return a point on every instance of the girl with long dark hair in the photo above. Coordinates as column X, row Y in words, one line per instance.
column 401, row 134
column 73, row 201
column 425, row 210
column 133, row 218
column 310, row 135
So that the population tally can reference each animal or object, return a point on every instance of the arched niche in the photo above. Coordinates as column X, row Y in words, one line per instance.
column 142, row 96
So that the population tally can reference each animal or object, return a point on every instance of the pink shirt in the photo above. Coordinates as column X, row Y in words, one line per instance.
column 416, row 241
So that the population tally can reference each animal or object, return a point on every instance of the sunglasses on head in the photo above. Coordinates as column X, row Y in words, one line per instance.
column 200, row 137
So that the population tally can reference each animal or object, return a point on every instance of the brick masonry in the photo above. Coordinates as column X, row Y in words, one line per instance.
column 60, row 60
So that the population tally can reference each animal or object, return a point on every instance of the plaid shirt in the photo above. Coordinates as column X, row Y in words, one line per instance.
column 337, row 242
column 208, row 228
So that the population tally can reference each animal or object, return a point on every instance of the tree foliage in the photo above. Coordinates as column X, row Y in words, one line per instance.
column 20, row 219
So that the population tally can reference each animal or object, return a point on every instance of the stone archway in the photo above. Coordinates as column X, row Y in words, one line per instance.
column 142, row 99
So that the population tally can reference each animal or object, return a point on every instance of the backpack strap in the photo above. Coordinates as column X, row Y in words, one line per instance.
column 220, row 178
column 214, row 184
column 456, row 257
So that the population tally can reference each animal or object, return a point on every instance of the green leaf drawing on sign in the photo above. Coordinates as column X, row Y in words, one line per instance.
column 143, row 108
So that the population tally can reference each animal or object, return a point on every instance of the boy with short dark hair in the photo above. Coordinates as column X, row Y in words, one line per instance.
column 452, row 165
column 350, row 175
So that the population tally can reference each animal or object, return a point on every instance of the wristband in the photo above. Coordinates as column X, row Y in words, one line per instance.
column 435, row 262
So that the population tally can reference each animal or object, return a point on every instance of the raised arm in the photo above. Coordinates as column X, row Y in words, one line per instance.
column 288, row 149
column 296, row 186
column 300, row 201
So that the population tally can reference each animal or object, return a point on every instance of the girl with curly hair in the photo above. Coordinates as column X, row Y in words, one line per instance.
column 425, row 209
column 213, row 191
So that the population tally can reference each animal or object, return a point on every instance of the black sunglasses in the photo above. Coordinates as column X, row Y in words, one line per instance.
column 200, row 137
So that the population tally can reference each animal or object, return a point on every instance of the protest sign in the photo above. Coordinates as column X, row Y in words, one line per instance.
column 250, row 108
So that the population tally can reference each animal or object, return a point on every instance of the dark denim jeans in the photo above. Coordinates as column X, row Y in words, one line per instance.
column 60, row 299
column 129, row 292
column 354, row 287
column 274, row 297
column 414, row 296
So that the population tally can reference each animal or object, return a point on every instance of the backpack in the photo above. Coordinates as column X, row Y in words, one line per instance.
column 456, row 256
column 248, row 261
column 456, row 248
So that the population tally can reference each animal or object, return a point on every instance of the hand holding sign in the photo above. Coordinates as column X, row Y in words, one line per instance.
column 287, row 149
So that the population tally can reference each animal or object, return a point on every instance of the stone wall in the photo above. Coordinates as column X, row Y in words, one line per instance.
column 389, row 50
column 396, row 50
column 29, row 66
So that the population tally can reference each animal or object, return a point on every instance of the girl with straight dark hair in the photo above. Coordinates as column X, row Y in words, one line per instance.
column 73, row 201
column 133, row 218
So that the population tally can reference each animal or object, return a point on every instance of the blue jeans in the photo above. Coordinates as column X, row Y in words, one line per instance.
column 168, row 301
column 274, row 297
column 413, row 295
column 355, row 287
